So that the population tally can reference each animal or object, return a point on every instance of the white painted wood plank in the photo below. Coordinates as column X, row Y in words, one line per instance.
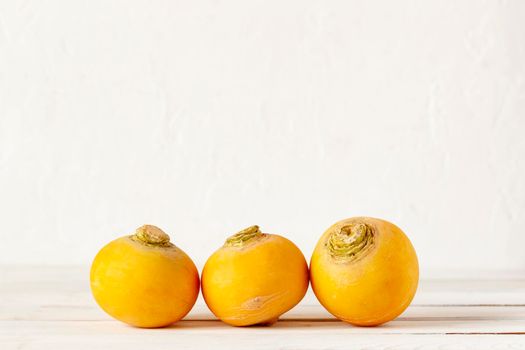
column 417, row 320
column 58, row 293
column 185, row 335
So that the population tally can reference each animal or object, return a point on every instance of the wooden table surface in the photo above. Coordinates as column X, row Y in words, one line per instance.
column 51, row 308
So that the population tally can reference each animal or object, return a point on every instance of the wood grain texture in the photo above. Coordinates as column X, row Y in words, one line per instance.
column 51, row 307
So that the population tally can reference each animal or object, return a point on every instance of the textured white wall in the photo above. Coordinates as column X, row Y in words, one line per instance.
column 204, row 117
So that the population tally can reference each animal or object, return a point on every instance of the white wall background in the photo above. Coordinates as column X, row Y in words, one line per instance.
column 204, row 117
